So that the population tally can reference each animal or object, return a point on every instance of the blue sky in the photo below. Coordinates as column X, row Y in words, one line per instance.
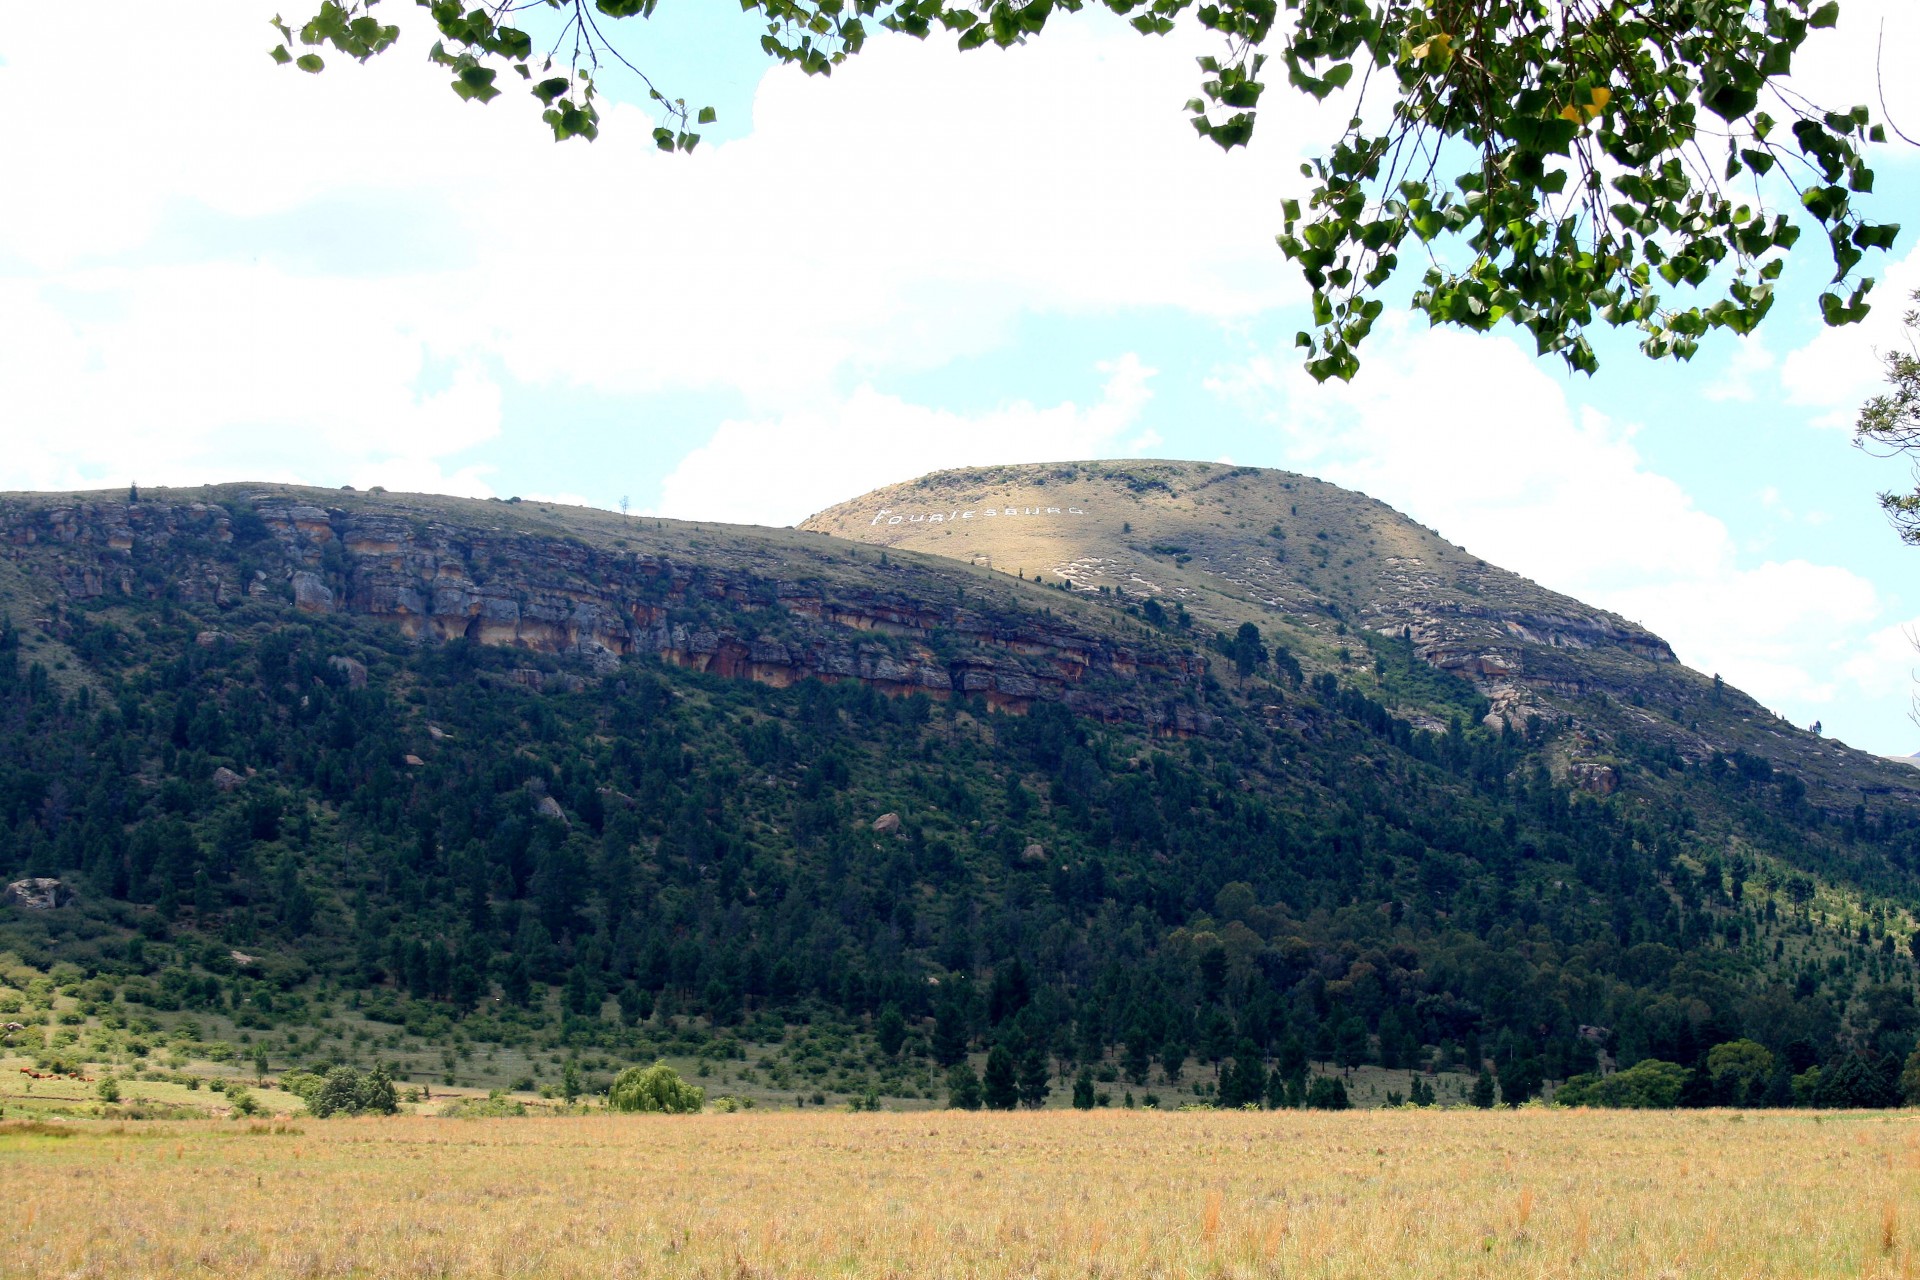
column 212, row 268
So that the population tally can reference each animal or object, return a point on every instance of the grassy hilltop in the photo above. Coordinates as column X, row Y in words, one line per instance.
column 1329, row 572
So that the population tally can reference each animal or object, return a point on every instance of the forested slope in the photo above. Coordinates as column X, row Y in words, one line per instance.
column 262, row 814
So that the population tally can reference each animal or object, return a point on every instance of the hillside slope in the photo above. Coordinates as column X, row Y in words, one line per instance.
column 1312, row 563
column 368, row 775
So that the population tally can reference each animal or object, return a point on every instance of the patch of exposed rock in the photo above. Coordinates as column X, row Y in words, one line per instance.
column 439, row 581
column 39, row 893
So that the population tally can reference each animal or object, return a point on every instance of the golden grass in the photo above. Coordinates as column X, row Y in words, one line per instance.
column 1368, row 1195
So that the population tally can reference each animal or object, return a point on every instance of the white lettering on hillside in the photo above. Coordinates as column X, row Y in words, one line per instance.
column 888, row 517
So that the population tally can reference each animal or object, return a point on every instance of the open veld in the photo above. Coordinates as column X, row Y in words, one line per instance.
column 1534, row 1192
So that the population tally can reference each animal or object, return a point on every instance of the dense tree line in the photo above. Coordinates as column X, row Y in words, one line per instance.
column 421, row 827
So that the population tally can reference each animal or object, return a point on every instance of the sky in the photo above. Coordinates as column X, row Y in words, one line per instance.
column 213, row 268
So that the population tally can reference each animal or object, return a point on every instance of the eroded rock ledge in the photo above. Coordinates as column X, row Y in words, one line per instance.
column 438, row 581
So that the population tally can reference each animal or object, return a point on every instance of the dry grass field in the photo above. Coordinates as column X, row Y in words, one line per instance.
column 1361, row 1194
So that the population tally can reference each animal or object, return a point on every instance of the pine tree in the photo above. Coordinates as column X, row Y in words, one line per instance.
column 963, row 1088
column 1083, row 1090
column 1033, row 1079
column 1001, row 1086
column 890, row 1030
column 1483, row 1091
column 1327, row 1093
column 1243, row 1082
column 949, row 1034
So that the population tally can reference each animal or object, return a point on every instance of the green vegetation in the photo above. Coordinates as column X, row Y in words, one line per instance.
column 1649, row 1083
column 1889, row 423
column 344, row 1091
column 657, row 1088
column 318, row 844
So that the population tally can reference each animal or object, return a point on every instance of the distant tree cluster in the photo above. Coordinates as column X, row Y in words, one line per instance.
column 344, row 1091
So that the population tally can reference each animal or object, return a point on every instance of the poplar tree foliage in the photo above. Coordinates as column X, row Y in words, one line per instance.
column 1890, row 423
column 1552, row 163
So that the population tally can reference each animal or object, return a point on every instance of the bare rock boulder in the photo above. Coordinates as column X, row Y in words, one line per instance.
column 311, row 594
column 38, row 893
column 1590, row 775
column 886, row 822
column 352, row 668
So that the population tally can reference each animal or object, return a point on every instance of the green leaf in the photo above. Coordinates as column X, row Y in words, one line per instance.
column 475, row 84
column 311, row 63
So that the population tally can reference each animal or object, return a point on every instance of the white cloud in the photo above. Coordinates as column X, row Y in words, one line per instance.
column 1840, row 368
column 1782, row 631
column 184, row 376
column 781, row 470
column 1750, row 362
column 896, row 216
column 1836, row 68
column 1886, row 664
column 1471, row 436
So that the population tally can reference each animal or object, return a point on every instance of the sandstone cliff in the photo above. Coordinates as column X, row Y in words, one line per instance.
column 728, row 611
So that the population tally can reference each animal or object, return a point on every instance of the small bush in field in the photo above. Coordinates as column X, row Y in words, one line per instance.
column 657, row 1088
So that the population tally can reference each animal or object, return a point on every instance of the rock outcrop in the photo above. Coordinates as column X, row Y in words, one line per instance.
column 439, row 581
column 38, row 893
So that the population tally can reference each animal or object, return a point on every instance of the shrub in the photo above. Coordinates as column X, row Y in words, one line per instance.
column 963, row 1088
column 657, row 1088
column 1001, row 1087
column 1326, row 1093
column 1737, row 1066
column 495, row 1104
column 302, row 1084
column 1649, row 1084
column 347, row 1091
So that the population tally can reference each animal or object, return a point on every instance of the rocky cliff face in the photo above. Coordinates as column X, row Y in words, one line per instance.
column 440, row 580
column 1235, row 544
column 1310, row 564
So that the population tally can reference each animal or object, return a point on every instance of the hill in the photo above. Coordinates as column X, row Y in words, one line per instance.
column 1314, row 564
column 482, row 788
